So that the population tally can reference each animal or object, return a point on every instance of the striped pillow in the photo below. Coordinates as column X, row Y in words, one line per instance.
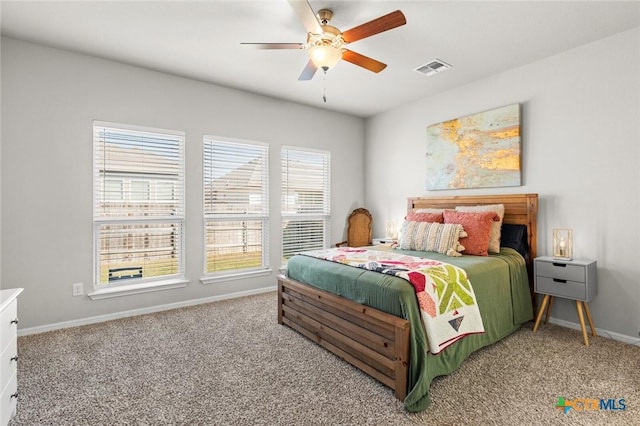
column 431, row 236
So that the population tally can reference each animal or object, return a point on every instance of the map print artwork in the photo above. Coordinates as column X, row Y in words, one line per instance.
column 476, row 151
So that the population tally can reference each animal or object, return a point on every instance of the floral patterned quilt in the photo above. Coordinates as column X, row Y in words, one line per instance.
column 447, row 302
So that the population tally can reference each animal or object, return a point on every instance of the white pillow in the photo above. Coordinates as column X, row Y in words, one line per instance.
column 428, row 211
column 494, row 241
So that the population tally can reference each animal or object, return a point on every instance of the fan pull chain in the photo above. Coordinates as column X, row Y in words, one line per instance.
column 324, row 85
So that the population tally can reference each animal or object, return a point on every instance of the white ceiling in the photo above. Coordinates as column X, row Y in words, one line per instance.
column 201, row 40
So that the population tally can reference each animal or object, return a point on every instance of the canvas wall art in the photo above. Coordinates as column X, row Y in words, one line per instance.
column 477, row 151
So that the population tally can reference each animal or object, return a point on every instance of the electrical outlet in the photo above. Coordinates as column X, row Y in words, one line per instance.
column 77, row 289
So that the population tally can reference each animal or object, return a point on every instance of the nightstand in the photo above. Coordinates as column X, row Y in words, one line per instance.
column 384, row 241
column 570, row 279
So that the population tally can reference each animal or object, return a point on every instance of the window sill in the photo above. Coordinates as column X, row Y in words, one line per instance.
column 212, row 279
column 126, row 290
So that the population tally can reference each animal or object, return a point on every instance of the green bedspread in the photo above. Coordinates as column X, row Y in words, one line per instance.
column 499, row 282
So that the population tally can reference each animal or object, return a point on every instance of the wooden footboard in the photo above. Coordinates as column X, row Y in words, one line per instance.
column 371, row 340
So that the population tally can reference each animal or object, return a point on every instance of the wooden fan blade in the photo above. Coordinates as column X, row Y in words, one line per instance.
column 363, row 61
column 307, row 15
column 273, row 45
column 308, row 71
column 381, row 24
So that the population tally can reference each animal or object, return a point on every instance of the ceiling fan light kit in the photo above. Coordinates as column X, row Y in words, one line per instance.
column 325, row 50
column 326, row 44
column 325, row 57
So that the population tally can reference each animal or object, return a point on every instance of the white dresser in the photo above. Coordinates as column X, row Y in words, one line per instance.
column 8, row 353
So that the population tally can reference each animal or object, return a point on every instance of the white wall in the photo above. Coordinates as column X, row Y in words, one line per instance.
column 580, row 141
column 49, row 100
column 0, row 166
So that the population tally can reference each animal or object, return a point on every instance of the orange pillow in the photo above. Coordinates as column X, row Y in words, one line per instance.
column 425, row 217
column 478, row 228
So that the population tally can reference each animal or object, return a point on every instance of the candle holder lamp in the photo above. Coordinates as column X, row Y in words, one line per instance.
column 563, row 244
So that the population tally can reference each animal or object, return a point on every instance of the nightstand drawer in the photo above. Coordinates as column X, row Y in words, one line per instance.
column 384, row 241
column 8, row 329
column 561, row 271
column 562, row 288
column 9, row 401
column 8, row 363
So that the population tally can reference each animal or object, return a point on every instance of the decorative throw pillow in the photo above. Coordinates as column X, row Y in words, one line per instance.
column 425, row 217
column 515, row 237
column 478, row 228
column 494, row 242
column 432, row 236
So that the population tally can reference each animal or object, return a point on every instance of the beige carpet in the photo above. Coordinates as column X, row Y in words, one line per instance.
column 230, row 363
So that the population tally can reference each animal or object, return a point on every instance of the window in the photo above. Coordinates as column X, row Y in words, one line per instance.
column 236, row 207
column 306, row 206
column 113, row 189
column 164, row 190
column 140, row 190
column 138, row 205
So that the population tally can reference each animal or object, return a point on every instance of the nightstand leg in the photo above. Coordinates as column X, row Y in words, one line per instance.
column 545, row 299
column 586, row 311
column 546, row 317
column 581, row 316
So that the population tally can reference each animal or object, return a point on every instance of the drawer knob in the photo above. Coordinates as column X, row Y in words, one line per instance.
column 15, row 321
column 562, row 265
column 14, row 358
column 14, row 395
column 558, row 280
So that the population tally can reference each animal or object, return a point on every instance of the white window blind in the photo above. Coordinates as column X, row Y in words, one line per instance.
column 306, row 206
column 138, row 204
column 236, row 206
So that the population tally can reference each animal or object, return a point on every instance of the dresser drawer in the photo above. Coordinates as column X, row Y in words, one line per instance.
column 8, row 366
column 564, row 288
column 8, row 403
column 561, row 271
column 8, row 330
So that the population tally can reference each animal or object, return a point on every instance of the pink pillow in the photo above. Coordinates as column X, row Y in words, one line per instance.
column 425, row 217
column 478, row 228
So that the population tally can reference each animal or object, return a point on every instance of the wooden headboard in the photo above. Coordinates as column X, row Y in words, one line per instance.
column 519, row 209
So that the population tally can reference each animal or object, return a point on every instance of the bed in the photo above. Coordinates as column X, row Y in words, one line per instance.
column 376, row 326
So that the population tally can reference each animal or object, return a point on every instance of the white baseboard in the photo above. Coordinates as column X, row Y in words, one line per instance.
column 600, row 332
column 142, row 311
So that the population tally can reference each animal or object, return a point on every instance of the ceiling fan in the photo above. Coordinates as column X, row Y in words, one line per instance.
column 326, row 44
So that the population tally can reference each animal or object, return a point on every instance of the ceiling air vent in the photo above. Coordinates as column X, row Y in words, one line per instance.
column 433, row 67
